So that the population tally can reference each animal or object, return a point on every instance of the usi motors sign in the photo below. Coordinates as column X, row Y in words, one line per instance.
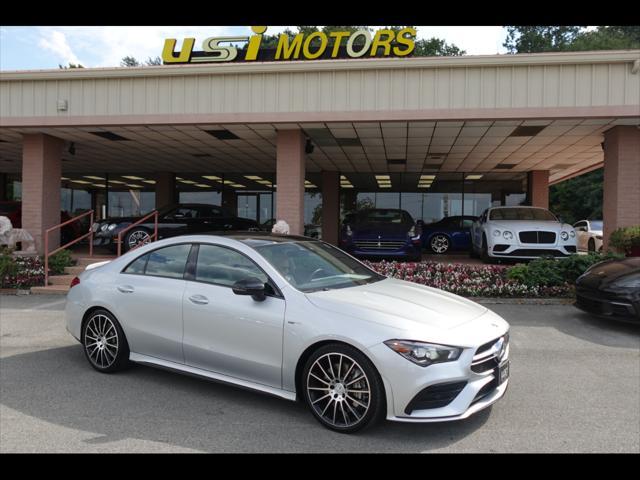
column 316, row 45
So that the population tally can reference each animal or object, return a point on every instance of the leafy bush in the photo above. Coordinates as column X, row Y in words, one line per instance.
column 550, row 272
column 60, row 260
column 625, row 238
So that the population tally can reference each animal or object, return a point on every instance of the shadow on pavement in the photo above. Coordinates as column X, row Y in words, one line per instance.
column 58, row 386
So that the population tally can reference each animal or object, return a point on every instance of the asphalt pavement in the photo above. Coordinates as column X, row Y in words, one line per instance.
column 575, row 387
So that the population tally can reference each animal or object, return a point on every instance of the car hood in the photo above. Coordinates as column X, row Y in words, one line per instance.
column 604, row 273
column 384, row 229
column 400, row 304
column 525, row 225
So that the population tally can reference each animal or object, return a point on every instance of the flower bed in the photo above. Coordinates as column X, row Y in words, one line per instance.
column 25, row 272
column 467, row 280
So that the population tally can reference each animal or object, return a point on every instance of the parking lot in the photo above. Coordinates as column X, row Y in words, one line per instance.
column 575, row 387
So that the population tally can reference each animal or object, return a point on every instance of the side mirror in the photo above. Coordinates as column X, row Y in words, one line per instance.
column 250, row 286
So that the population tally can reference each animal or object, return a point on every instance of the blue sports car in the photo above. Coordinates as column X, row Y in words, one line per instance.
column 381, row 233
column 450, row 233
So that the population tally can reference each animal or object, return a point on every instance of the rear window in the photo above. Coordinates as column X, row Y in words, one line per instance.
column 167, row 262
column 522, row 214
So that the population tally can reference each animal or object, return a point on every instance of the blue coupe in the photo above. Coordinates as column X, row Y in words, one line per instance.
column 381, row 233
column 450, row 233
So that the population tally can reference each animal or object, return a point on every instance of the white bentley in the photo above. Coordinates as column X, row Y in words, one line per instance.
column 521, row 232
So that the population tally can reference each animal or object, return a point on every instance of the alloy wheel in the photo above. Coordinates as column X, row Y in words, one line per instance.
column 439, row 244
column 101, row 341
column 338, row 390
column 138, row 237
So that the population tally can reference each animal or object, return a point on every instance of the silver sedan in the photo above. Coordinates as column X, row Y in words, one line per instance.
column 296, row 318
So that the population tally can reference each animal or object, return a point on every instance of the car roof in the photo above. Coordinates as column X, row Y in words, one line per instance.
column 253, row 238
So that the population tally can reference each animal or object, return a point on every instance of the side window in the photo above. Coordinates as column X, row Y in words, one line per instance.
column 137, row 266
column 224, row 266
column 466, row 223
column 168, row 262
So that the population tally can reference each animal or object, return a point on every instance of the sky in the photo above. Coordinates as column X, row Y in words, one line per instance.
column 34, row 48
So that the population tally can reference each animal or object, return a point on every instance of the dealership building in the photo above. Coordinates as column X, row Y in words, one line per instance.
column 308, row 141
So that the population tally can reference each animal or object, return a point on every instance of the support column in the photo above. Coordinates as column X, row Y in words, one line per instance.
column 290, row 171
column 538, row 188
column 330, row 207
column 166, row 193
column 230, row 200
column 621, row 195
column 41, row 171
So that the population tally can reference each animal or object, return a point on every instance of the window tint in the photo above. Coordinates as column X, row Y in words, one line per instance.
column 224, row 266
column 137, row 266
column 169, row 261
column 466, row 223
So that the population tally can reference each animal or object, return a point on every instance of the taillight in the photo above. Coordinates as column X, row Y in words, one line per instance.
column 74, row 282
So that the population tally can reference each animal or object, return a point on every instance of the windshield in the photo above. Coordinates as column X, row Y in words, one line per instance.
column 522, row 214
column 384, row 216
column 311, row 266
column 596, row 225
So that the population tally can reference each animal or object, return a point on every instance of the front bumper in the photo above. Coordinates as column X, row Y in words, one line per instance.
column 404, row 381
column 406, row 251
column 530, row 251
column 608, row 304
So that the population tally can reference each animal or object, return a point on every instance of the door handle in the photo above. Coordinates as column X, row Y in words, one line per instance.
column 199, row 299
column 125, row 288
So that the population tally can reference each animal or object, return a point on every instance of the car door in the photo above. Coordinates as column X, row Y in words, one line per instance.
column 149, row 301
column 467, row 223
column 179, row 221
column 232, row 334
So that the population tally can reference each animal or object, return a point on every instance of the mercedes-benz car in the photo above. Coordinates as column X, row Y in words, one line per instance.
column 296, row 318
column 522, row 233
column 381, row 233
column 173, row 220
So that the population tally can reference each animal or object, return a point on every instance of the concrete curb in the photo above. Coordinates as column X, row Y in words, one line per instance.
column 524, row 301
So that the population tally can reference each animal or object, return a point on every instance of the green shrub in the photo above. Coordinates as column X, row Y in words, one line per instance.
column 575, row 265
column 8, row 267
column 60, row 260
column 625, row 238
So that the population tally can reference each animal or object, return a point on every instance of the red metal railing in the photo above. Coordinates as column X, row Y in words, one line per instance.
column 47, row 253
column 151, row 238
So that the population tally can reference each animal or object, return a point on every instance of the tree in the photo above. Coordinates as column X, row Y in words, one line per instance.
column 71, row 65
column 129, row 61
column 153, row 61
column 570, row 38
column 578, row 198
column 436, row 47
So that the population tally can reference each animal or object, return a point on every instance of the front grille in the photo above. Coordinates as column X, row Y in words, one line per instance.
column 605, row 307
column 533, row 252
column 435, row 396
column 379, row 244
column 537, row 237
column 486, row 357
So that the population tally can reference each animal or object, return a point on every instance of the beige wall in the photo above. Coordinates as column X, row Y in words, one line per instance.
column 505, row 86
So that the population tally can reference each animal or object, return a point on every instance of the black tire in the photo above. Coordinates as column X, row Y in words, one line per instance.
column 484, row 251
column 356, row 370
column 101, row 325
column 591, row 246
column 440, row 242
column 134, row 237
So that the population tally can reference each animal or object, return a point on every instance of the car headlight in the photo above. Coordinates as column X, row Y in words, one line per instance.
column 496, row 233
column 424, row 354
column 412, row 232
column 564, row 236
column 507, row 235
column 104, row 227
column 95, row 227
column 348, row 231
column 572, row 233
column 628, row 281
column 112, row 227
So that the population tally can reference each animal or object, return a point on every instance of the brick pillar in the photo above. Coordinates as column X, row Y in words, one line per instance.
column 330, row 207
column 290, row 171
column 538, row 188
column 41, row 171
column 621, row 196
column 166, row 193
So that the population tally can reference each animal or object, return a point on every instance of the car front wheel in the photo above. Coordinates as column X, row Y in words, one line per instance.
column 135, row 238
column 343, row 388
column 105, row 345
column 440, row 244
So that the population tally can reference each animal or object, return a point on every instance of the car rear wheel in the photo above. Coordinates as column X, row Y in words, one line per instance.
column 440, row 244
column 105, row 345
column 343, row 388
